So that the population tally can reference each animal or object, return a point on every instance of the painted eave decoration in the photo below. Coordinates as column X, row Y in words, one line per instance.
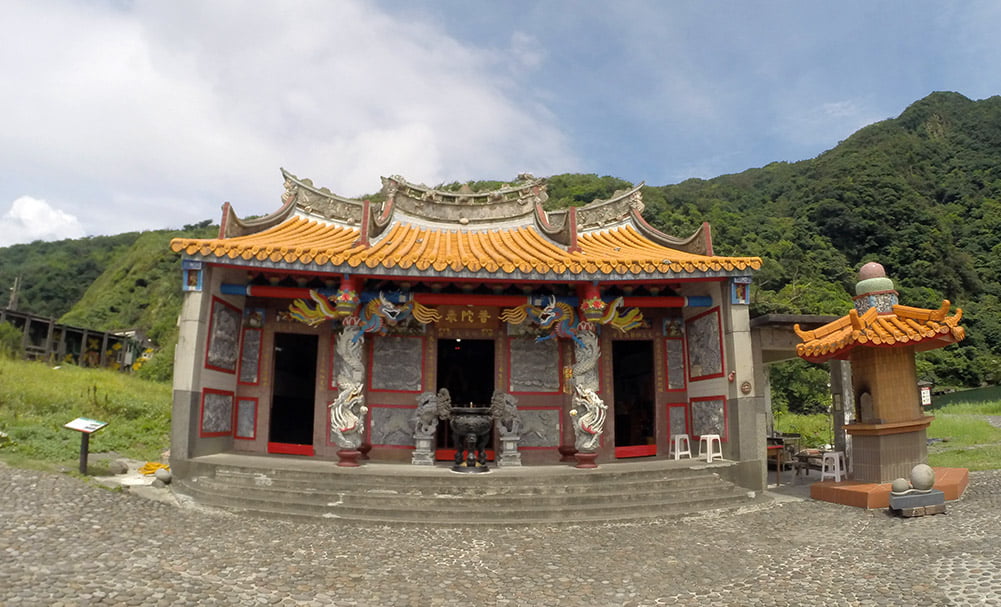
column 502, row 234
column 905, row 326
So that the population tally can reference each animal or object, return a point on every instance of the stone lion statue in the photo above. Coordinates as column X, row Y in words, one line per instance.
column 425, row 419
column 504, row 410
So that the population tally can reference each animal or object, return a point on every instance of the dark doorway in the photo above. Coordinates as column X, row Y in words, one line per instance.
column 466, row 368
column 635, row 414
column 294, row 395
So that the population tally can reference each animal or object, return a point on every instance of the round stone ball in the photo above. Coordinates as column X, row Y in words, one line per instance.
column 162, row 475
column 922, row 477
column 900, row 485
column 871, row 270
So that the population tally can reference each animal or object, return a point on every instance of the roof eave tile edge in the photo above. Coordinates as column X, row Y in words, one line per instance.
column 410, row 273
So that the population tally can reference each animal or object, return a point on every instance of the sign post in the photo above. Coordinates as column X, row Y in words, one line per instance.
column 85, row 426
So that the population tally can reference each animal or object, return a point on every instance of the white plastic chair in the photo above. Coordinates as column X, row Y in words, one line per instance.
column 680, row 445
column 832, row 465
column 708, row 440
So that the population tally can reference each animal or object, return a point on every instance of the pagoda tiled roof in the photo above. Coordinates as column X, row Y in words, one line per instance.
column 905, row 326
column 418, row 230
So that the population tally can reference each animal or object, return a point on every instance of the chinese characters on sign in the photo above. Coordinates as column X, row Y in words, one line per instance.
column 468, row 317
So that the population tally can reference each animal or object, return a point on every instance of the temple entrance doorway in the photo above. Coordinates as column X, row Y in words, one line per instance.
column 466, row 368
column 633, row 385
column 293, row 396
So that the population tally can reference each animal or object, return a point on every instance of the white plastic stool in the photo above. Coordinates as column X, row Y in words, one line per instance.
column 832, row 465
column 680, row 446
column 708, row 440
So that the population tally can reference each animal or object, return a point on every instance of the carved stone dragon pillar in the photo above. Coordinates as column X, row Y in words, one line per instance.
column 347, row 412
column 588, row 412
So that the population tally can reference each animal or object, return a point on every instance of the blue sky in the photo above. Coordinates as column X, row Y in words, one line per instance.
column 121, row 115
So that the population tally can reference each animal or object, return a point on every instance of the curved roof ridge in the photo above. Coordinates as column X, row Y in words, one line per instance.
column 464, row 206
column 525, row 186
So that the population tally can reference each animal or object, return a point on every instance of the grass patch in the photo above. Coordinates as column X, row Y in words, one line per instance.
column 816, row 429
column 981, row 457
column 968, row 439
column 36, row 400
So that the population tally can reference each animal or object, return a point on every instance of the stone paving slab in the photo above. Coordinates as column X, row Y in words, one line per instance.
column 64, row 541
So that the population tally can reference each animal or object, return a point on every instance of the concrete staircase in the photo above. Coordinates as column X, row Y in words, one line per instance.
column 399, row 493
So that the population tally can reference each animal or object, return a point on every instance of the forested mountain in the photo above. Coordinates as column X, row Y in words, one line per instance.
column 920, row 193
column 54, row 275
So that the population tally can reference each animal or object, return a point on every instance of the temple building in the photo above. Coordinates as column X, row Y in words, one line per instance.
column 335, row 329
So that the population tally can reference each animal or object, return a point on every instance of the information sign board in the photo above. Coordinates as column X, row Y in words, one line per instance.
column 85, row 424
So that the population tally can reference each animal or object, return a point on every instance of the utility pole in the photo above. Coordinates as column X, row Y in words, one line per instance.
column 12, row 304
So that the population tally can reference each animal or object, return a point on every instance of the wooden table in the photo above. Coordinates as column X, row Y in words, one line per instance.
column 777, row 451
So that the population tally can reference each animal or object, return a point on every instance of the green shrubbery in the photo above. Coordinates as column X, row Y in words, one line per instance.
column 36, row 400
column 10, row 340
column 815, row 429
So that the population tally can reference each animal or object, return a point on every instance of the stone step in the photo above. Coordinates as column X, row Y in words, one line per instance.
column 602, row 510
column 399, row 493
column 419, row 499
column 461, row 484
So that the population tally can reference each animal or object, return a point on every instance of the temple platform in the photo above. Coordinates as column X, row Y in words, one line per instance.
column 290, row 486
column 951, row 481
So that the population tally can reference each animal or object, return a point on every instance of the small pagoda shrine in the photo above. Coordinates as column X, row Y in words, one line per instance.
column 880, row 338
column 337, row 329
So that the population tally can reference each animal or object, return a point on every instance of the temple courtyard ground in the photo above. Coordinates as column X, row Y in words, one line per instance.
column 64, row 541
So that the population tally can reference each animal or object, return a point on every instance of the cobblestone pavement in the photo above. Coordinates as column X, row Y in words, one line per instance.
column 67, row 542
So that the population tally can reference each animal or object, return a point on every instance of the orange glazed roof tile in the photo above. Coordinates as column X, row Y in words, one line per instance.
column 407, row 246
column 925, row 329
column 504, row 233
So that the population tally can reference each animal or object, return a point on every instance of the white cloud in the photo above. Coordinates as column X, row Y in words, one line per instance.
column 30, row 219
column 824, row 124
column 202, row 102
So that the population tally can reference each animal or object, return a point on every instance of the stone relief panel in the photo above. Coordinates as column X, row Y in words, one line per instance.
column 250, row 356
column 217, row 413
column 224, row 337
column 705, row 356
column 535, row 366
column 396, row 364
column 675, row 364
column 540, row 428
column 391, row 426
column 246, row 418
column 676, row 420
column 708, row 417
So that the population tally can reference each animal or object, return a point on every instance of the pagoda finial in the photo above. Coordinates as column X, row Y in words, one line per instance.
column 874, row 290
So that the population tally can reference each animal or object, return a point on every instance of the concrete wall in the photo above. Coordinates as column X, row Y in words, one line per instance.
column 191, row 376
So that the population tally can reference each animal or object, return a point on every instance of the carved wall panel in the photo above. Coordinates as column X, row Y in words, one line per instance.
column 540, row 428
column 250, row 356
column 391, row 426
column 246, row 418
column 396, row 364
column 675, row 364
column 676, row 420
column 705, row 346
column 535, row 366
column 709, row 416
column 224, row 337
column 217, row 412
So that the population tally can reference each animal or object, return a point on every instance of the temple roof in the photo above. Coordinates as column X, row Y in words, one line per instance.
column 504, row 233
column 905, row 326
